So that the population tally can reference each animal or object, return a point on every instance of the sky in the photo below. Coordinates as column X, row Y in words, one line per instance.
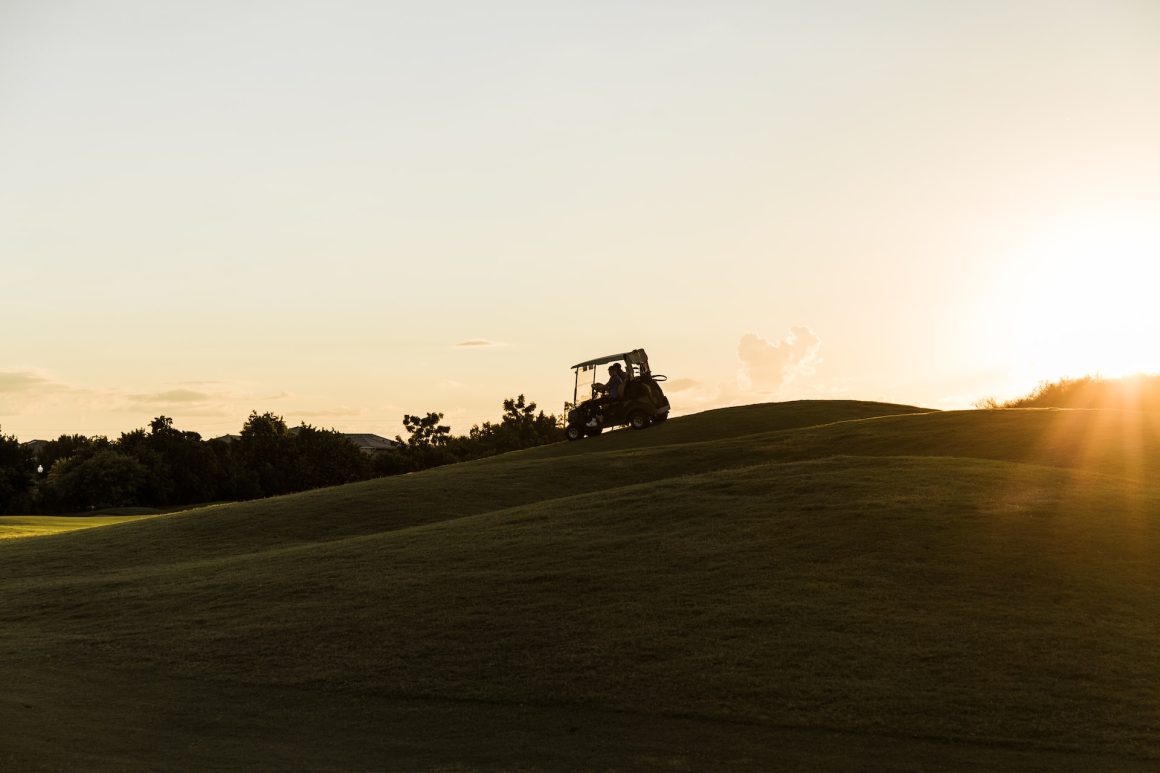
column 346, row 211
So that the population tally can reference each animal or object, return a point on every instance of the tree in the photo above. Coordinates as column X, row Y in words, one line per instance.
column 105, row 478
column 69, row 445
column 182, row 469
column 17, row 472
column 428, row 441
column 426, row 431
column 326, row 458
column 266, row 451
column 530, row 428
column 520, row 427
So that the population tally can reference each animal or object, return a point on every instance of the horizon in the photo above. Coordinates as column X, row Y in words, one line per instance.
column 344, row 214
column 1066, row 392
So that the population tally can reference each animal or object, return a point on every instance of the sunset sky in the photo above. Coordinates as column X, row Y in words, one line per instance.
column 349, row 210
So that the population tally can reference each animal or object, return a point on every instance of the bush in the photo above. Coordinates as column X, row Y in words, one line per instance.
column 105, row 478
column 1133, row 393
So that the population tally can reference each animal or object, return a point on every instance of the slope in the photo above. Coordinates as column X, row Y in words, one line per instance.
column 447, row 492
column 720, row 593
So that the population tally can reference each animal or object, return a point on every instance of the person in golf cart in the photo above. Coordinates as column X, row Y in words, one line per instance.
column 631, row 396
column 613, row 390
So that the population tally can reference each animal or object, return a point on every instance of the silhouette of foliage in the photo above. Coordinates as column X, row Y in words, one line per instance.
column 66, row 446
column 323, row 457
column 1133, row 393
column 163, row 466
column 426, row 431
column 105, row 478
column 265, row 451
column 16, row 475
column 520, row 427
column 180, row 468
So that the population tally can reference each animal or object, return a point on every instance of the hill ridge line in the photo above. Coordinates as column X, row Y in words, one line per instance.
column 143, row 571
column 686, row 443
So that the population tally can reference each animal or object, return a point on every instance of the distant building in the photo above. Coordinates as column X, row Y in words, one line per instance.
column 34, row 447
column 365, row 441
column 227, row 439
column 371, row 444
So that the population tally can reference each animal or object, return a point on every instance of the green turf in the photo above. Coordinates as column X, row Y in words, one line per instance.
column 801, row 586
column 12, row 526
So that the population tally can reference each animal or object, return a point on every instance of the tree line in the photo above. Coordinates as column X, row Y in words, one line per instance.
column 164, row 466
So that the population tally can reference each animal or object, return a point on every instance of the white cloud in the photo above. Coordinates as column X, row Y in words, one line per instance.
column 763, row 369
column 766, row 367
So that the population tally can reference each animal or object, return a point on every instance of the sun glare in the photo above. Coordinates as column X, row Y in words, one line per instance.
column 1083, row 301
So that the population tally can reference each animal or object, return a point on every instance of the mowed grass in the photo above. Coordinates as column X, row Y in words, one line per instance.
column 974, row 590
column 13, row 526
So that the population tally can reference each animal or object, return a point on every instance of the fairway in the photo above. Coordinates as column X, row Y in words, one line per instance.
column 813, row 585
column 13, row 526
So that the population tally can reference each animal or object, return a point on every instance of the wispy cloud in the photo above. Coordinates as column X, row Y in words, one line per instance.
column 17, row 382
column 700, row 396
column 220, row 405
column 340, row 412
column 171, row 397
column 682, row 385
column 477, row 343
column 216, row 397
column 451, row 385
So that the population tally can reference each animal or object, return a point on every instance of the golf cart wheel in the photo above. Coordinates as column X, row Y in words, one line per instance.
column 574, row 432
column 638, row 420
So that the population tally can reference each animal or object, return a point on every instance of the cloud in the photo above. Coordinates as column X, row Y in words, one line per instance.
column 682, row 385
column 451, row 385
column 765, row 366
column 340, row 412
column 220, row 399
column 28, row 390
column 27, row 381
column 173, row 396
column 702, row 396
column 477, row 343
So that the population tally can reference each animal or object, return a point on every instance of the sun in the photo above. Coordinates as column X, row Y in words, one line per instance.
column 1083, row 300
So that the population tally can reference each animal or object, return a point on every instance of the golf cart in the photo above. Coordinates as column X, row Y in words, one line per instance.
column 643, row 403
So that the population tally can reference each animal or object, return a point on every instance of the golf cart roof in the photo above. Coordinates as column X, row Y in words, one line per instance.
column 635, row 357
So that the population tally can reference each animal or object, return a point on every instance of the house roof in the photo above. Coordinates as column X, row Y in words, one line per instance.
column 365, row 441
column 369, row 442
column 35, row 446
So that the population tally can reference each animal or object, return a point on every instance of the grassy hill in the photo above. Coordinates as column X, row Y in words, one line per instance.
column 799, row 585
